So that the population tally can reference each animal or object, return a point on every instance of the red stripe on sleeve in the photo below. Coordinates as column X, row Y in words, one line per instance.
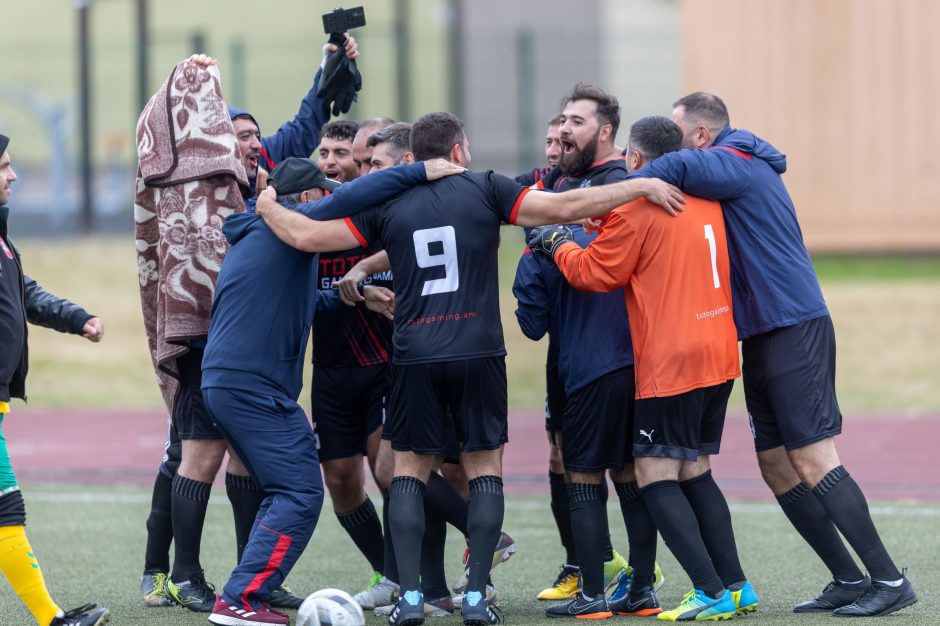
column 515, row 206
column 355, row 231
column 267, row 159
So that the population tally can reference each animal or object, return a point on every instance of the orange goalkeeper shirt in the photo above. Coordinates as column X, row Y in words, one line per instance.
column 676, row 275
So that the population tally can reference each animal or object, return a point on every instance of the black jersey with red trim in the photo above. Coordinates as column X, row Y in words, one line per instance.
column 605, row 172
column 535, row 177
column 350, row 336
column 442, row 241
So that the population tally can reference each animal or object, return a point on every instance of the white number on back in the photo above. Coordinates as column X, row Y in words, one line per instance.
column 712, row 250
column 447, row 258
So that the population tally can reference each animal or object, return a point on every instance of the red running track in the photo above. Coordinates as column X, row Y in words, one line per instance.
column 893, row 458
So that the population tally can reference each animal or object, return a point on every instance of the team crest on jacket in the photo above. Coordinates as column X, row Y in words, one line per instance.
column 6, row 248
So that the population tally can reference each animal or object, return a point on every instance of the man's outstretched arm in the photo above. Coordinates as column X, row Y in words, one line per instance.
column 536, row 209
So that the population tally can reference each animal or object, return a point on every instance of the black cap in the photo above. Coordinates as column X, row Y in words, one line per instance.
column 294, row 174
column 4, row 142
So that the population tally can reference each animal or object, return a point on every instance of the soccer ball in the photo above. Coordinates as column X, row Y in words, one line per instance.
column 330, row 607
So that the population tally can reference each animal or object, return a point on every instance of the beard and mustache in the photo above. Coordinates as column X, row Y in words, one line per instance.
column 579, row 160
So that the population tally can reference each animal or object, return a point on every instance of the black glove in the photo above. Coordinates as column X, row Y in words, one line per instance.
column 340, row 80
column 546, row 239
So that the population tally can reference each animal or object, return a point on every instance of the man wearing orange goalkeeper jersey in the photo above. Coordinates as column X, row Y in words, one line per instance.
column 675, row 272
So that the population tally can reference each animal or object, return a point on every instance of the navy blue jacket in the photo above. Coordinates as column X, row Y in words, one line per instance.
column 590, row 329
column 774, row 284
column 266, row 295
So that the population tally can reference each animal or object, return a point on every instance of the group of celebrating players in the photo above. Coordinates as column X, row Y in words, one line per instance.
column 645, row 266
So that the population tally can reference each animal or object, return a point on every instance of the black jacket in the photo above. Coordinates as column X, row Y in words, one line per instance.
column 43, row 309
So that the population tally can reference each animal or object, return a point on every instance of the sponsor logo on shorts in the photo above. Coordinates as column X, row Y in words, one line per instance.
column 648, row 435
column 750, row 420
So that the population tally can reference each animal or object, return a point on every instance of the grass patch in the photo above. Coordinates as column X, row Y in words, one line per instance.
column 884, row 311
column 90, row 545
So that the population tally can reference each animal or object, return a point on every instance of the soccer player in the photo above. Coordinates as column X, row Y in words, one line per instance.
column 252, row 376
column 361, row 150
column 22, row 300
column 448, row 337
column 552, row 154
column 351, row 350
column 589, row 123
column 676, row 274
column 788, row 345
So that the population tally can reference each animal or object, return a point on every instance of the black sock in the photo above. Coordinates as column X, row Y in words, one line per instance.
column 589, row 516
column 485, row 522
column 446, row 502
column 390, row 565
column 677, row 524
column 714, row 523
column 365, row 529
column 190, row 499
column 159, row 526
column 246, row 497
column 406, row 518
column 808, row 516
column 433, row 578
column 608, row 546
column 848, row 509
column 559, row 503
column 641, row 534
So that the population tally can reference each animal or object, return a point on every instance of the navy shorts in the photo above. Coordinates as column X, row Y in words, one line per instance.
column 434, row 404
column 598, row 421
column 192, row 420
column 683, row 426
column 347, row 405
column 789, row 385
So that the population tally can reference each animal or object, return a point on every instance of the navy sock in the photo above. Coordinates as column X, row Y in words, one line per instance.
column 406, row 518
column 677, row 524
column 589, row 516
column 485, row 522
column 159, row 526
column 848, row 509
column 190, row 500
column 365, row 528
column 641, row 534
column 559, row 504
column 245, row 496
column 808, row 516
column 714, row 522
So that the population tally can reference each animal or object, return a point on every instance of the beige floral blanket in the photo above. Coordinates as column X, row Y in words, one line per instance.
column 189, row 179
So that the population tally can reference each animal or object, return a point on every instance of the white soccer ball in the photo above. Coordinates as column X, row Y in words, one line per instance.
column 330, row 607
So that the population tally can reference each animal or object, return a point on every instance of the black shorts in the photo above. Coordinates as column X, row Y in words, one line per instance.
column 790, row 385
column 598, row 424
column 434, row 404
column 192, row 420
column 347, row 405
column 554, row 396
column 683, row 426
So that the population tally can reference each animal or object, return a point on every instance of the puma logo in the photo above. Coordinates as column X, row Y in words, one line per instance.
column 648, row 435
column 552, row 239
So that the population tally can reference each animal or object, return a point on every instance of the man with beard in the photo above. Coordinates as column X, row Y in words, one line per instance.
column 590, row 119
column 552, row 155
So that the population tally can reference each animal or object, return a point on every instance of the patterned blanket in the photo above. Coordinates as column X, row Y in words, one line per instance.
column 188, row 181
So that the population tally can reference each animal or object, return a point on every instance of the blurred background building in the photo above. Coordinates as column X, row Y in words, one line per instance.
column 843, row 87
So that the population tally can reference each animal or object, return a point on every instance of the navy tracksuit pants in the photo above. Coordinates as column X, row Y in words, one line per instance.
column 275, row 441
